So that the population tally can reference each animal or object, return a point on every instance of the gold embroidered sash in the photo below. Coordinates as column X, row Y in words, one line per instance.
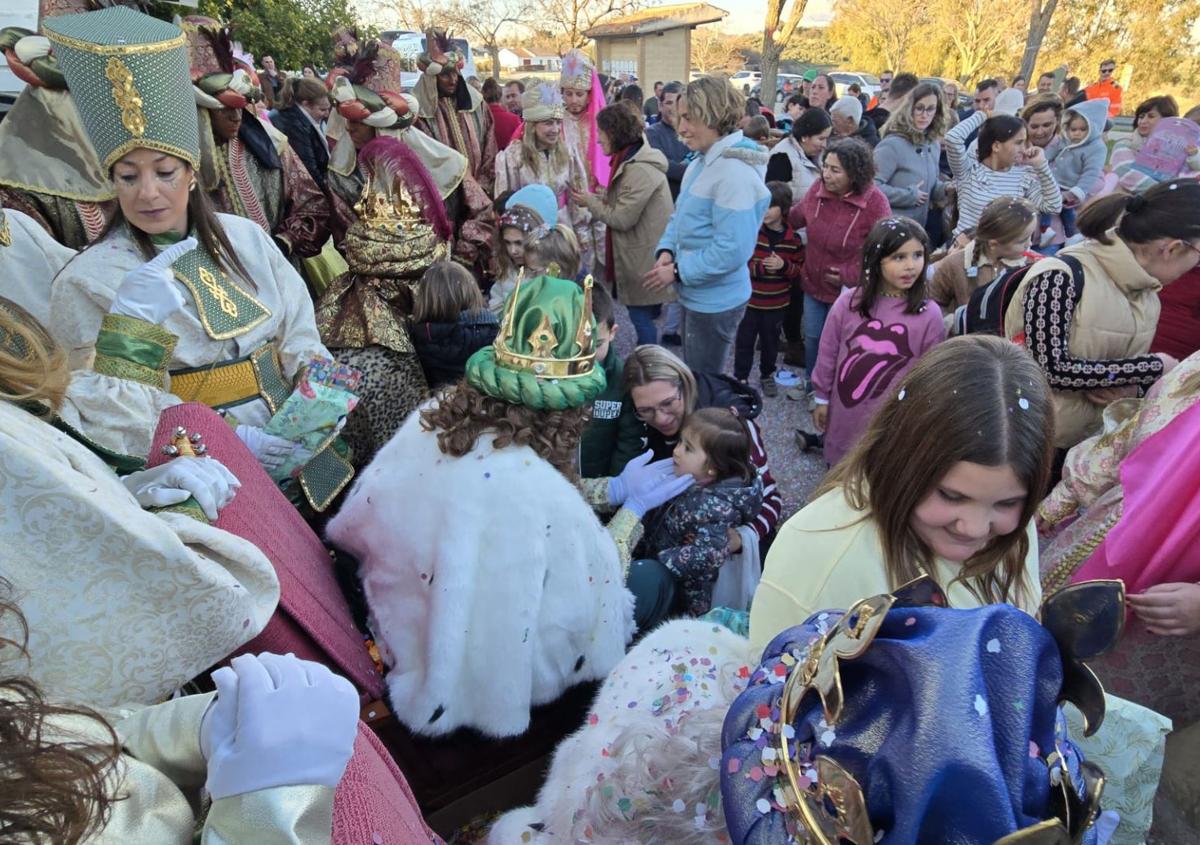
column 225, row 309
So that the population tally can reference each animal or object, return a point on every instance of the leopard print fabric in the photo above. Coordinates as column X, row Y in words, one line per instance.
column 392, row 387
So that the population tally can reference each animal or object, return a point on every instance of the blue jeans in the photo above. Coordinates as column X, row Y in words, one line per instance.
column 643, row 317
column 815, row 312
column 708, row 338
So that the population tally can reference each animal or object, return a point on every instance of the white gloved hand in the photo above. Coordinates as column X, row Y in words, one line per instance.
column 270, row 450
column 206, row 479
column 148, row 292
column 295, row 724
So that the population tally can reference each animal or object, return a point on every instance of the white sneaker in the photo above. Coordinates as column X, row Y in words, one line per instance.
column 1076, row 238
column 1047, row 236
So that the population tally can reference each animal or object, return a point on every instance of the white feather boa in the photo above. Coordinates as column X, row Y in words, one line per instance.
column 493, row 587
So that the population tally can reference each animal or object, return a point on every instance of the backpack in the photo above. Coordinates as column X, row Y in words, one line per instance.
column 985, row 310
column 717, row 390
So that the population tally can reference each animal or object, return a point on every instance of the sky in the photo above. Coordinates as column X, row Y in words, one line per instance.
column 747, row 15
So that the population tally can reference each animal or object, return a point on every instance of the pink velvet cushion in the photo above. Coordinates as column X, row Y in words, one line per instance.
column 313, row 620
column 373, row 804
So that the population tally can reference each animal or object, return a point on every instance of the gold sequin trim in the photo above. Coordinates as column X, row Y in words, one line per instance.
column 150, row 144
column 5, row 232
column 125, row 94
column 1060, row 575
column 116, row 49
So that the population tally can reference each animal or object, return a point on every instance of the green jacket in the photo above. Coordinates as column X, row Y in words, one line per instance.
column 614, row 436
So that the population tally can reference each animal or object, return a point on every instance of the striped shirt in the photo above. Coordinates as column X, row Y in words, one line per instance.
column 977, row 184
column 772, row 289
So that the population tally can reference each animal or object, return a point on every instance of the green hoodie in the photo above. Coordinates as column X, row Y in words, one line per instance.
column 614, row 436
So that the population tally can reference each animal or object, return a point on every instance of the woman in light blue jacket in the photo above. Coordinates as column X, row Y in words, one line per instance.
column 906, row 159
column 710, row 238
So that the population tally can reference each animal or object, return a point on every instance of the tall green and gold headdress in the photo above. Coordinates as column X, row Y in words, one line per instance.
column 545, row 354
column 128, row 74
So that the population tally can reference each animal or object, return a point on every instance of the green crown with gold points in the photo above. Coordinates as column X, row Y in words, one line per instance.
column 544, row 356
column 129, row 77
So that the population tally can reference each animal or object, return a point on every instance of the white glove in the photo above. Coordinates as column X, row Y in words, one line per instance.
column 149, row 292
column 295, row 723
column 270, row 450
column 206, row 479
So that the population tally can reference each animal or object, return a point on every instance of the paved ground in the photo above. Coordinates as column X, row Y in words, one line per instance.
column 796, row 473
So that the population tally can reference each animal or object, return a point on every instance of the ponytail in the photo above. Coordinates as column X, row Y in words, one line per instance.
column 1168, row 210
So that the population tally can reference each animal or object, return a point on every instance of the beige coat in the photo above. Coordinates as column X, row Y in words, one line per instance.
column 636, row 207
column 1114, row 319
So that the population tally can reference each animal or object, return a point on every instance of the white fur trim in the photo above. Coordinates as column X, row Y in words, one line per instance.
column 632, row 747
column 484, row 573
column 32, row 47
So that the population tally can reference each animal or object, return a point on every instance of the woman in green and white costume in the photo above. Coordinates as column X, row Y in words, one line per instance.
column 220, row 316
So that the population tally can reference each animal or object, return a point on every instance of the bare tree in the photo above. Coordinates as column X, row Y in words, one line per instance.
column 713, row 52
column 567, row 20
column 776, row 34
column 483, row 22
column 415, row 15
column 1039, row 24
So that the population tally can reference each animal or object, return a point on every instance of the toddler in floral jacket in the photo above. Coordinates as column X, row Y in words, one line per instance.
column 690, row 534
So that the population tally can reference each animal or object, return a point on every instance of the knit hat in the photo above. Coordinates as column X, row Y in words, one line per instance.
column 1009, row 101
column 903, row 721
column 541, row 102
column 577, row 70
column 539, row 198
column 219, row 80
column 545, row 354
column 129, row 77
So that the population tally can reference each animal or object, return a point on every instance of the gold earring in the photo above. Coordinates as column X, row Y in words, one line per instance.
column 192, row 186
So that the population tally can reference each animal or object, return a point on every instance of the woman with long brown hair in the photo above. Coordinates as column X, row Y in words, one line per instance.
column 216, row 312
column 945, row 483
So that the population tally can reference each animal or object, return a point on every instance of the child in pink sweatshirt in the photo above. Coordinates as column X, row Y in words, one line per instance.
column 874, row 333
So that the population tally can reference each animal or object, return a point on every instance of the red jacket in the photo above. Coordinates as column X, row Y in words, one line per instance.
column 837, row 229
column 1178, row 331
column 505, row 123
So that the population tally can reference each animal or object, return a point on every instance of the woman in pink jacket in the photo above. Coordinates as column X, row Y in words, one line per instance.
column 838, row 211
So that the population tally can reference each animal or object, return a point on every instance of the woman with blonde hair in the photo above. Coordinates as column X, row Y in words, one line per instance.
column 664, row 393
column 706, row 248
column 906, row 158
column 542, row 156
column 197, row 592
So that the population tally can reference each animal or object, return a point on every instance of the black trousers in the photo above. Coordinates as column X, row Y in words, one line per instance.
column 761, row 326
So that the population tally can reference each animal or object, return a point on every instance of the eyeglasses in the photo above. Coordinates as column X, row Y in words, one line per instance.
column 1107, row 69
column 925, row 109
column 666, row 408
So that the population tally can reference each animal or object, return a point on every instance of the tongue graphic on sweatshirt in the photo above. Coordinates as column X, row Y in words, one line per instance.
column 875, row 354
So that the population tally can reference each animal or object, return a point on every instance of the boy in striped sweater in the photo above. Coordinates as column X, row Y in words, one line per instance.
column 774, row 269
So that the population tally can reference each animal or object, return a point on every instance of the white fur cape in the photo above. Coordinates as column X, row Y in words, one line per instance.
column 644, row 768
column 493, row 587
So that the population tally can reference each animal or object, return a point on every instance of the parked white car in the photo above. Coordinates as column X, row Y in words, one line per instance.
column 868, row 82
column 744, row 80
